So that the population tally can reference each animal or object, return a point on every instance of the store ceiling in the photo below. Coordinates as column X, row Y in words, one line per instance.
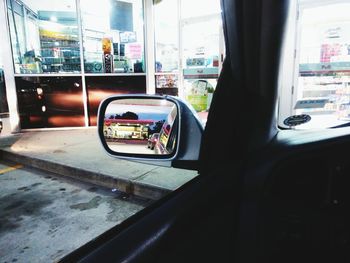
column 52, row 5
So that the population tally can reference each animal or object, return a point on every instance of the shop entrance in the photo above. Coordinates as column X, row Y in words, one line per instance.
column 318, row 54
column 323, row 81
column 189, row 50
column 202, row 55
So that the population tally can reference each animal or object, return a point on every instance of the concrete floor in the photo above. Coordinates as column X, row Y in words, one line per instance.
column 6, row 127
column 44, row 217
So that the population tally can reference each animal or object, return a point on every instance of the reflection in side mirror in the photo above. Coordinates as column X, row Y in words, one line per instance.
column 144, row 126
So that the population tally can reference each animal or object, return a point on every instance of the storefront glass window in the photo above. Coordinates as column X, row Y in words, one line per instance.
column 44, row 36
column 323, row 84
column 17, row 33
column 113, row 36
column 166, row 36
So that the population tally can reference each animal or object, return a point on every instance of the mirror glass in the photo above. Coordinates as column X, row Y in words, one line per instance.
column 141, row 126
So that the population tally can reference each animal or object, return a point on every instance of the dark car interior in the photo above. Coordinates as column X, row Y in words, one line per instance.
column 263, row 194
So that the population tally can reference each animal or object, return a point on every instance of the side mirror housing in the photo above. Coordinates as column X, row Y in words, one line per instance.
column 159, row 130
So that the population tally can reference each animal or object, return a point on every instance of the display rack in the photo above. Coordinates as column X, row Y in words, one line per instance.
column 60, row 49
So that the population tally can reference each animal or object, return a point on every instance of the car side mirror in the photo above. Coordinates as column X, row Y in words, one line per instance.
column 159, row 130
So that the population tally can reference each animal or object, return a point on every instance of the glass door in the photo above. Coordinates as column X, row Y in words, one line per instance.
column 202, row 52
column 189, row 50
column 323, row 82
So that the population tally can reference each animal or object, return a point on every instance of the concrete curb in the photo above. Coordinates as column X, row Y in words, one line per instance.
column 127, row 186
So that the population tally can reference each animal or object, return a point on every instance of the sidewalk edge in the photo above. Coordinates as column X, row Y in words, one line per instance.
column 130, row 187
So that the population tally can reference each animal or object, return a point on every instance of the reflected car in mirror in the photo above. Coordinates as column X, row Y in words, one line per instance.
column 152, row 140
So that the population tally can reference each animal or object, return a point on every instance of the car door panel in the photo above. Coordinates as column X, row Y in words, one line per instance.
column 296, row 198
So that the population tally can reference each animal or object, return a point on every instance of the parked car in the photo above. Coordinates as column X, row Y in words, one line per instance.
column 153, row 139
column 263, row 194
column 343, row 113
column 168, row 134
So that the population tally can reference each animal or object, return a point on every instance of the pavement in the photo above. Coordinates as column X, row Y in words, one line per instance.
column 44, row 217
column 78, row 153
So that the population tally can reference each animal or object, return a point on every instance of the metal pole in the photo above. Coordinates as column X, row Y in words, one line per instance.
column 180, row 34
column 149, row 47
column 6, row 53
column 82, row 68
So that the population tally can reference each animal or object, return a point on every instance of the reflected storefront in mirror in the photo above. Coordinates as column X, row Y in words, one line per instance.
column 141, row 126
